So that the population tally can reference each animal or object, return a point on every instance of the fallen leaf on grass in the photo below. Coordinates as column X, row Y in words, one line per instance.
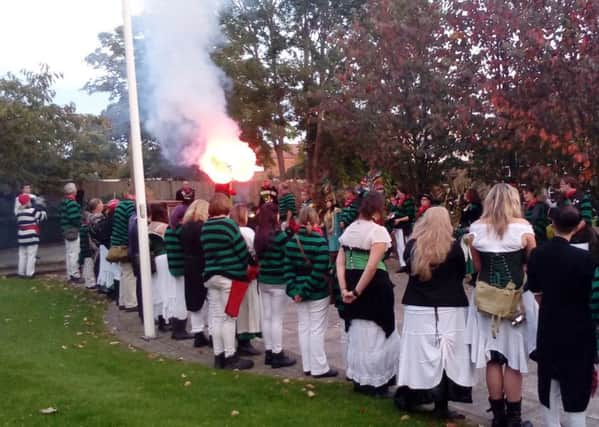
column 152, row 356
column 183, row 376
column 79, row 334
column 64, row 347
column 161, row 360
column 234, row 413
column 405, row 417
column 286, row 380
column 311, row 394
column 48, row 411
column 80, row 346
column 114, row 342
column 310, row 386
column 130, row 347
column 187, row 383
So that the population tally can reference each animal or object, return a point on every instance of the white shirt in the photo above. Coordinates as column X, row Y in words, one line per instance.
column 363, row 234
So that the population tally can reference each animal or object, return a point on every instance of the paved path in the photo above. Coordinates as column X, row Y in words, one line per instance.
column 129, row 329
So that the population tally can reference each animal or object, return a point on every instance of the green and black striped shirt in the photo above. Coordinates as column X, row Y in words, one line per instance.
column 536, row 215
column 272, row 259
column 70, row 214
column 174, row 251
column 120, row 223
column 308, row 283
column 225, row 252
column 286, row 204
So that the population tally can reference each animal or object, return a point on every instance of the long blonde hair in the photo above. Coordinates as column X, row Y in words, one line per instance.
column 434, row 236
column 197, row 211
column 501, row 205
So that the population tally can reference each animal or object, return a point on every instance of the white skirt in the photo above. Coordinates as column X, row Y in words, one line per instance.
column 430, row 346
column 371, row 356
column 514, row 342
column 109, row 271
column 160, row 280
column 249, row 318
column 174, row 297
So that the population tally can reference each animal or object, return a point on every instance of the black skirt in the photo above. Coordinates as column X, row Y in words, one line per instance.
column 195, row 291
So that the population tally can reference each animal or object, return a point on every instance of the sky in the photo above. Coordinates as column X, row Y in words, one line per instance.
column 60, row 33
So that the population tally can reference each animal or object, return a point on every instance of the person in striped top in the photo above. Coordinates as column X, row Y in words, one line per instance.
column 403, row 213
column 535, row 212
column 287, row 205
column 571, row 194
column 225, row 259
column 28, row 234
column 349, row 213
column 70, row 222
column 120, row 237
column 269, row 245
column 306, row 265
column 175, row 305
column 87, row 247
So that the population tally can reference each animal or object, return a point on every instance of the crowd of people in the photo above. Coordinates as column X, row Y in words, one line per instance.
column 532, row 265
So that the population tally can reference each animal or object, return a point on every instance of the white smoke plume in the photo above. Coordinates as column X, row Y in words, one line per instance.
column 186, row 104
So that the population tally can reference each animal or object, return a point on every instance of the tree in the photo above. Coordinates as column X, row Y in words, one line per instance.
column 534, row 63
column 400, row 91
column 43, row 143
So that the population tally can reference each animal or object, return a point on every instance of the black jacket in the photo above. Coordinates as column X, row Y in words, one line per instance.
column 566, row 346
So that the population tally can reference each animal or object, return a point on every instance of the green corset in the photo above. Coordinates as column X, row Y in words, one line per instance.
column 356, row 259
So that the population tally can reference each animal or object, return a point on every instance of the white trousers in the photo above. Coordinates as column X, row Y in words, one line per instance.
column 27, row 256
column 312, row 317
column 400, row 244
column 72, row 258
column 88, row 272
column 127, row 292
column 551, row 416
column 199, row 320
column 274, row 302
column 223, row 326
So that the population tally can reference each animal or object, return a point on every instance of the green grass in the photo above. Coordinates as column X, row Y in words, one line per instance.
column 55, row 352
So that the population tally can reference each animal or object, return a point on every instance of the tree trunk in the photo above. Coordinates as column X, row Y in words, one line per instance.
column 280, row 153
column 315, row 163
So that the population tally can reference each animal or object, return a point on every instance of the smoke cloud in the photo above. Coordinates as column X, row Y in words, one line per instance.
column 186, row 104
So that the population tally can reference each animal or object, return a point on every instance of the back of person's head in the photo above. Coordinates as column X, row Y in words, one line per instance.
column 566, row 219
column 93, row 204
column 433, row 233
column 308, row 217
column 501, row 205
column 571, row 182
column 220, row 204
column 70, row 188
column 196, row 212
column 472, row 196
column 268, row 223
column 176, row 216
column 159, row 212
column 239, row 214
column 372, row 205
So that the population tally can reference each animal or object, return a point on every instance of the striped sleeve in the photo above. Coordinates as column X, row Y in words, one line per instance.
column 272, row 261
column 120, row 223
column 174, row 251
column 286, row 204
column 586, row 209
column 300, row 280
column 70, row 214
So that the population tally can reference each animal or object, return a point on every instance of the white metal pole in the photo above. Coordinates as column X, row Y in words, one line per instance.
column 138, row 178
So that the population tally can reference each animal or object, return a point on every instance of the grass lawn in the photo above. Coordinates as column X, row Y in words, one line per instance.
column 54, row 352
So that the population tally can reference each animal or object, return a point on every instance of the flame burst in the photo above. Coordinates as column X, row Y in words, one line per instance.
column 226, row 160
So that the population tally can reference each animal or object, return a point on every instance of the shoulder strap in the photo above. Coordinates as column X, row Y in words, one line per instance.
column 301, row 248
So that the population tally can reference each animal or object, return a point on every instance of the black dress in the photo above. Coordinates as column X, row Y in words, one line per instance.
column 195, row 292
column 566, row 346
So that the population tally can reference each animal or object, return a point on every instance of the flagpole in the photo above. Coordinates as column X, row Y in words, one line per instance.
column 138, row 178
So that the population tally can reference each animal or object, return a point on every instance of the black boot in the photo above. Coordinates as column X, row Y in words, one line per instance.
column 162, row 327
column 200, row 340
column 268, row 357
column 281, row 360
column 179, row 332
column 235, row 362
column 443, row 412
column 219, row 361
column 499, row 415
column 514, row 415
column 245, row 348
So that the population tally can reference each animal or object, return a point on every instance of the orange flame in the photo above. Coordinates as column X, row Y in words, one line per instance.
column 228, row 160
